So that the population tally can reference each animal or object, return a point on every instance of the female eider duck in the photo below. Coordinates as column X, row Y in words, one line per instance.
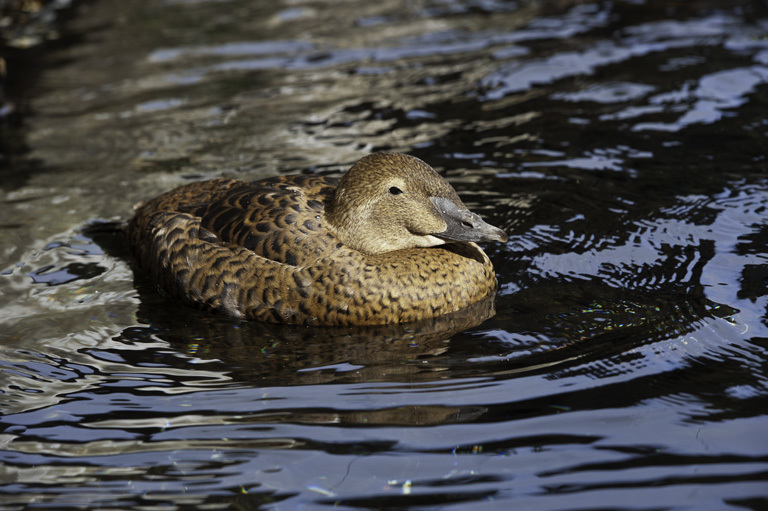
column 389, row 242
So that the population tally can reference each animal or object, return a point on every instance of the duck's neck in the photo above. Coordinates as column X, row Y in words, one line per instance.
column 351, row 225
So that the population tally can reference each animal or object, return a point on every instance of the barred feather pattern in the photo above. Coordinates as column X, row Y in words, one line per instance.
column 263, row 251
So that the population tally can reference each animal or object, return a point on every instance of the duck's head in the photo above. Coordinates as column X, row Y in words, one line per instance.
column 391, row 201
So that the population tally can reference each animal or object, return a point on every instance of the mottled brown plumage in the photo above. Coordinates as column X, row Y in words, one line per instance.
column 369, row 249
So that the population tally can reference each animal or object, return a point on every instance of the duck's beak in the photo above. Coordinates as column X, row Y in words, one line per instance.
column 463, row 225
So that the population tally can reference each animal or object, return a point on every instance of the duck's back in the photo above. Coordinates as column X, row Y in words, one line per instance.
column 264, row 251
column 278, row 218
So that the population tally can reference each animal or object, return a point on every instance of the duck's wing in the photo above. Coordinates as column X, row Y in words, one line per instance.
column 279, row 218
column 191, row 264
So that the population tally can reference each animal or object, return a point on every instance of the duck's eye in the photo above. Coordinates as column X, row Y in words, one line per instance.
column 395, row 190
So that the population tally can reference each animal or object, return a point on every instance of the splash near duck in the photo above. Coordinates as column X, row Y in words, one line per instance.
column 389, row 242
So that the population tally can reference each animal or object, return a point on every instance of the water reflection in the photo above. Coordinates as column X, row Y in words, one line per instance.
column 287, row 355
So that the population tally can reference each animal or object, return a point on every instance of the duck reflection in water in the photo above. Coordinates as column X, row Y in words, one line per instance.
column 390, row 242
column 275, row 354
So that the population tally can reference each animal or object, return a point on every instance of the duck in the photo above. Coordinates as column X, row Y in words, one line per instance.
column 389, row 242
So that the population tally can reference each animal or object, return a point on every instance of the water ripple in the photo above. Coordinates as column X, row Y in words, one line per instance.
column 622, row 363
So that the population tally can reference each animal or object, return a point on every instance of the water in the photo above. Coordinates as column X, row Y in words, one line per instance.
column 622, row 145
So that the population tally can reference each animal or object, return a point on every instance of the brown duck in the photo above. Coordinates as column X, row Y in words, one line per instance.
column 389, row 242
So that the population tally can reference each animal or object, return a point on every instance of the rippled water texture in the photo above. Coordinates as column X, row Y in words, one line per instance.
column 621, row 144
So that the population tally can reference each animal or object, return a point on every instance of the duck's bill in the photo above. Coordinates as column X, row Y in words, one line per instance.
column 463, row 225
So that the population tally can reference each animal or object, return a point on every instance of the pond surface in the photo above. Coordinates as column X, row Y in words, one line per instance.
column 622, row 145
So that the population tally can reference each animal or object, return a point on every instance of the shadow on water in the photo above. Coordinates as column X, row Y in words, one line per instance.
column 30, row 31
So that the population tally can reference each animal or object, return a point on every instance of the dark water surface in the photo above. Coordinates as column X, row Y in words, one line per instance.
column 621, row 144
